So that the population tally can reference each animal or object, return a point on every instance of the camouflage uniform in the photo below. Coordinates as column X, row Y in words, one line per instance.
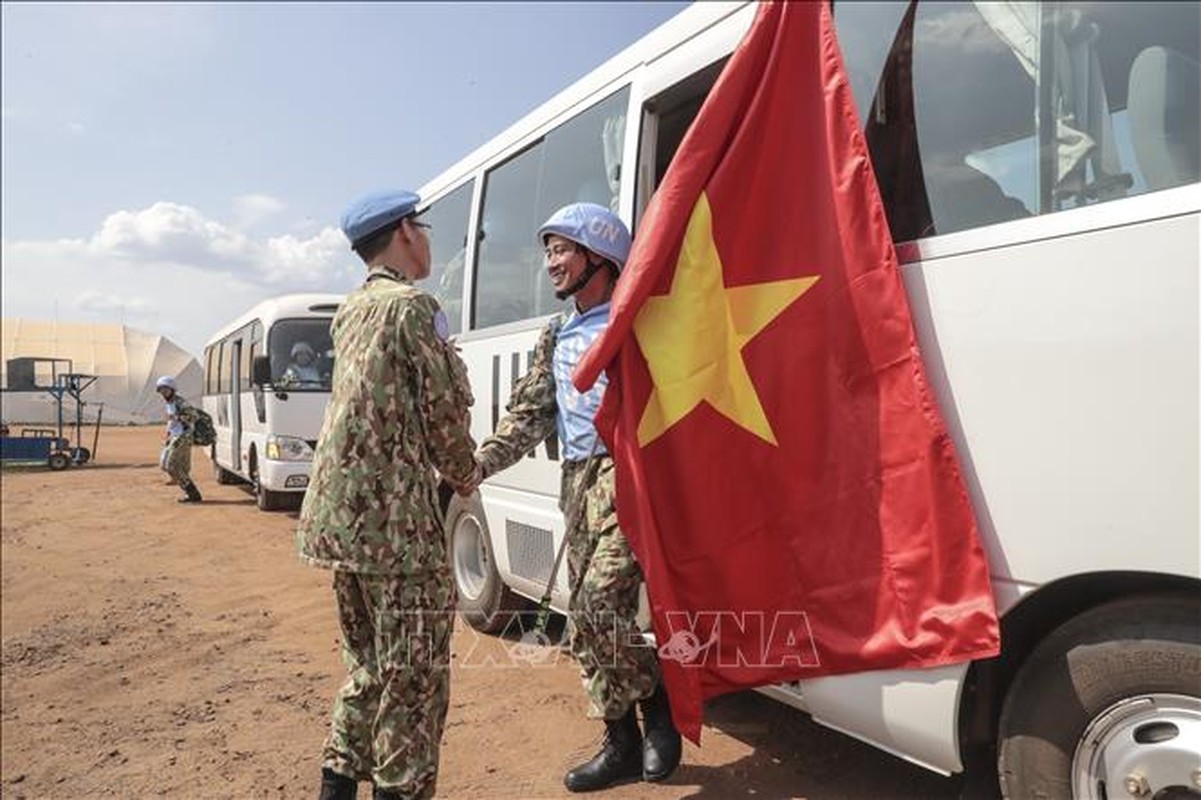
column 616, row 669
column 398, row 412
column 178, row 461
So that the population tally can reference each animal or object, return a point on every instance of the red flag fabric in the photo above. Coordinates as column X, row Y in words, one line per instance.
column 783, row 471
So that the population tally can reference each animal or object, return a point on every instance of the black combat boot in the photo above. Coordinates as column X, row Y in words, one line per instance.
column 337, row 787
column 661, row 749
column 193, row 494
column 619, row 759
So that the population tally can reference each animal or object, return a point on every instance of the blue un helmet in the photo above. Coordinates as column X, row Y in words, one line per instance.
column 593, row 227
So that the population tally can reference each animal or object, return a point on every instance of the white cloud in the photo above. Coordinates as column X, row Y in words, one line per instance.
column 168, row 231
column 315, row 261
column 94, row 300
column 77, row 128
column 251, row 209
column 168, row 269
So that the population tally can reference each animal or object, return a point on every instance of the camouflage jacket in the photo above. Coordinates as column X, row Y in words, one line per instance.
column 180, row 413
column 531, row 414
column 398, row 412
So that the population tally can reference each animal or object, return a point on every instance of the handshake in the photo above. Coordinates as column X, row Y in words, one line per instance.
column 470, row 484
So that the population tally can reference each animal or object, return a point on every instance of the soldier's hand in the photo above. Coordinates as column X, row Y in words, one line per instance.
column 468, row 487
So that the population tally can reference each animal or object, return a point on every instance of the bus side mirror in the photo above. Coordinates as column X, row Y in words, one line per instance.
column 260, row 371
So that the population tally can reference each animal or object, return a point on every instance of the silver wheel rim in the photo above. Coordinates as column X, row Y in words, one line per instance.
column 1141, row 747
column 471, row 559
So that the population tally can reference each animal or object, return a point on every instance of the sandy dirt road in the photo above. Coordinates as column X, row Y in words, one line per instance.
column 155, row 649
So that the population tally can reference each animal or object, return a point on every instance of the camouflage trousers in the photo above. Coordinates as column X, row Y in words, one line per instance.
column 617, row 666
column 179, row 459
column 387, row 719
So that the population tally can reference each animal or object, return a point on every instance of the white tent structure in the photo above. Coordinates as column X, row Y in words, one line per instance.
column 126, row 362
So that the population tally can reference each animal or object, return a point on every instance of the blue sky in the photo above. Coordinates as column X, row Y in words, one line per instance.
column 168, row 165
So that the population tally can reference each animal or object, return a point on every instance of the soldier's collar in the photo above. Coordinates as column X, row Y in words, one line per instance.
column 387, row 273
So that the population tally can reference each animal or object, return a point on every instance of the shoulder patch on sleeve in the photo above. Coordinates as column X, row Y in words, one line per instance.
column 441, row 325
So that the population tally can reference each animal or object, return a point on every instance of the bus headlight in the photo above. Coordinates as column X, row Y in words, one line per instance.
column 288, row 448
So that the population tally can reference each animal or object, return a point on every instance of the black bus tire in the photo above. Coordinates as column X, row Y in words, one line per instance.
column 1127, row 653
column 220, row 473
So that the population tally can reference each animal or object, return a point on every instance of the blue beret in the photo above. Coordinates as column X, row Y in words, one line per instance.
column 375, row 210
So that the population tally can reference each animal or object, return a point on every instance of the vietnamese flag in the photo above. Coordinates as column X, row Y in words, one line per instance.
column 783, row 472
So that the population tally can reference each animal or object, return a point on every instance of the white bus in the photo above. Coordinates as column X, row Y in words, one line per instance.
column 268, row 406
column 1039, row 167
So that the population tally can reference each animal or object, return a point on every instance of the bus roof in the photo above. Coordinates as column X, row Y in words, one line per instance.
column 283, row 307
column 660, row 41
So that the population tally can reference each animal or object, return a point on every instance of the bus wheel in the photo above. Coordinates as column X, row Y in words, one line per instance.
column 266, row 499
column 484, row 601
column 223, row 476
column 1108, row 705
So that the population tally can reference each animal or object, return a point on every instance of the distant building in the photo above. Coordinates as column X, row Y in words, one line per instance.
column 125, row 360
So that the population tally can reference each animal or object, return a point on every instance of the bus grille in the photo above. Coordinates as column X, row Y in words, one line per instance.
column 531, row 551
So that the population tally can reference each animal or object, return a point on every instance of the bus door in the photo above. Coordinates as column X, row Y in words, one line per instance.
column 235, row 404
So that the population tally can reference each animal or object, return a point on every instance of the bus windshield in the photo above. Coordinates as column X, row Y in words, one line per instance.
column 302, row 355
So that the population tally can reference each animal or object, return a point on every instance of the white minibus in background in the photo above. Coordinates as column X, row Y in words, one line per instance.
column 266, row 409
column 1039, row 167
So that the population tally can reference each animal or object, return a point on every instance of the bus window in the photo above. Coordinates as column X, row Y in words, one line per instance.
column 1127, row 75
column 255, row 349
column 448, row 218
column 302, row 354
column 951, row 107
column 673, row 110
column 226, row 375
column 579, row 161
column 215, row 380
column 943, row 93
column 210, row 375
column 250, row 347
column 218, row 353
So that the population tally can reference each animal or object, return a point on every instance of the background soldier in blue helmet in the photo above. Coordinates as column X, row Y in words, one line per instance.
column 181, row 419
column 586, row 246
column 398, row 412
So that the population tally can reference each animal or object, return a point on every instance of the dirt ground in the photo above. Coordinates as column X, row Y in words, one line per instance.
column 156, row 649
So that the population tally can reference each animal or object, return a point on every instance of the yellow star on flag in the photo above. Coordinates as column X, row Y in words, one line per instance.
column 693, row 336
